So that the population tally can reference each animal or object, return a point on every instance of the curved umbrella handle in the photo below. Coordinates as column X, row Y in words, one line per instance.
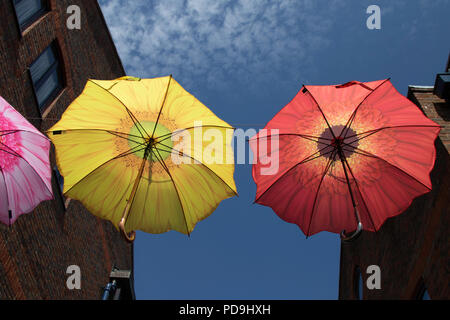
column 129, row 237
column 354, row 235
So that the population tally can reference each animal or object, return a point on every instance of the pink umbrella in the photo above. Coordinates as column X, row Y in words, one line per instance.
column 25, row 173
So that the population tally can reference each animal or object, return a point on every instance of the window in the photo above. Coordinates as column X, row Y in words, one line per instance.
column 358, row 284
column 46, row 75
column 425, row 295
column 59, row 196
column 28, row 11
column 59, row 179
column 423, row 292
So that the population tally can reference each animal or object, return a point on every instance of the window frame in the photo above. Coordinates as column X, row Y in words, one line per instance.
column 58, row 66
column 38, row 14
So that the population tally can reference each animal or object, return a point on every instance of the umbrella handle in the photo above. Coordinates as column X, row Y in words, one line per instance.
column 129, row 237
column 354, row 235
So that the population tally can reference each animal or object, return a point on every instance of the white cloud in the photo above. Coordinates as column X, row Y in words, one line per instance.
column 246, row 41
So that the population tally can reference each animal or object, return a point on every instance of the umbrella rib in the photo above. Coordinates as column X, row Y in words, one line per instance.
column 149, row 179
column 123, row 154
column 37, row 133
column 321, row 111
column 371, row 155
column 8, row 132
column 117, row 135
column 137, row 124
column 310, row 158
column 130, row 114
column 11, row 153
column 353, row 116
column 114, row 133
column 162, row 106
column 23, row 188
column 327, row 167
column 294, row 134
column 7, row 198
column 19, row 156
column 136, row 187
column 349, row 122
column 359, row 190
column 305, row 160
column 86, row 129
column 185, row 155
column 370, row 132
column 341, row 157
column 311, row 138
column 168, row 135
column 176, row 189
column 356, row 151
column 112, row 86
column 133, row 118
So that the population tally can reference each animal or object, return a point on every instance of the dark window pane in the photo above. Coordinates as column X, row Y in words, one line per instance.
column 48, row 87
column 28, row 10
column 359, row 283
column 42, row 64
column 45, row 73
column 59, row 179
column 425, row 295
column 361, row 289
column 59, row 196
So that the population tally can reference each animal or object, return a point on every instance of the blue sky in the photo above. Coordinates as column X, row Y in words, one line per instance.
column 245, row 60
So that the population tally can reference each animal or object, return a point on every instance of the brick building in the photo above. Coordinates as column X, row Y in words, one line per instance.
column 412, row 249
column 44, row 66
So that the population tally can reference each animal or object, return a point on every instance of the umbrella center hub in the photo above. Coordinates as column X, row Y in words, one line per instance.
column 154, row 144
column 340, row 139
column 337, row 142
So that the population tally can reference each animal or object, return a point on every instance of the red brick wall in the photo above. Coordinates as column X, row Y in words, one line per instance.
column 36, row 251
column 411, row 249
column 437, row 110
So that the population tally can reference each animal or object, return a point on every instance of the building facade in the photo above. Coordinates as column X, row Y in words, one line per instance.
column 44, row 65
column 412, row 249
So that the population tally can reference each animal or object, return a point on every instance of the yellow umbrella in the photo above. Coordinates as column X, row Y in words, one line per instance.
column 144, row 154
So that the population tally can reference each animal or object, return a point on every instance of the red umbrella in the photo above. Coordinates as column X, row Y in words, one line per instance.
column 349, row 157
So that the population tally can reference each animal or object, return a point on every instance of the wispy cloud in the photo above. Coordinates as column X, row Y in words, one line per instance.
column 242, row 41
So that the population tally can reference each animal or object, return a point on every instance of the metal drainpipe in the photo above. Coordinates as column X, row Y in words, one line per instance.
column 109, row 290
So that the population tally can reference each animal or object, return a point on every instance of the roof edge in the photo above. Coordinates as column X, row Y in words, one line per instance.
column 110, row 37
column 420, row 88
column 415, row 88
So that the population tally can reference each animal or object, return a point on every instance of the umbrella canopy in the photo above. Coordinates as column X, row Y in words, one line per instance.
column 25, row 173
column 132, row 151
column 350, row 156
